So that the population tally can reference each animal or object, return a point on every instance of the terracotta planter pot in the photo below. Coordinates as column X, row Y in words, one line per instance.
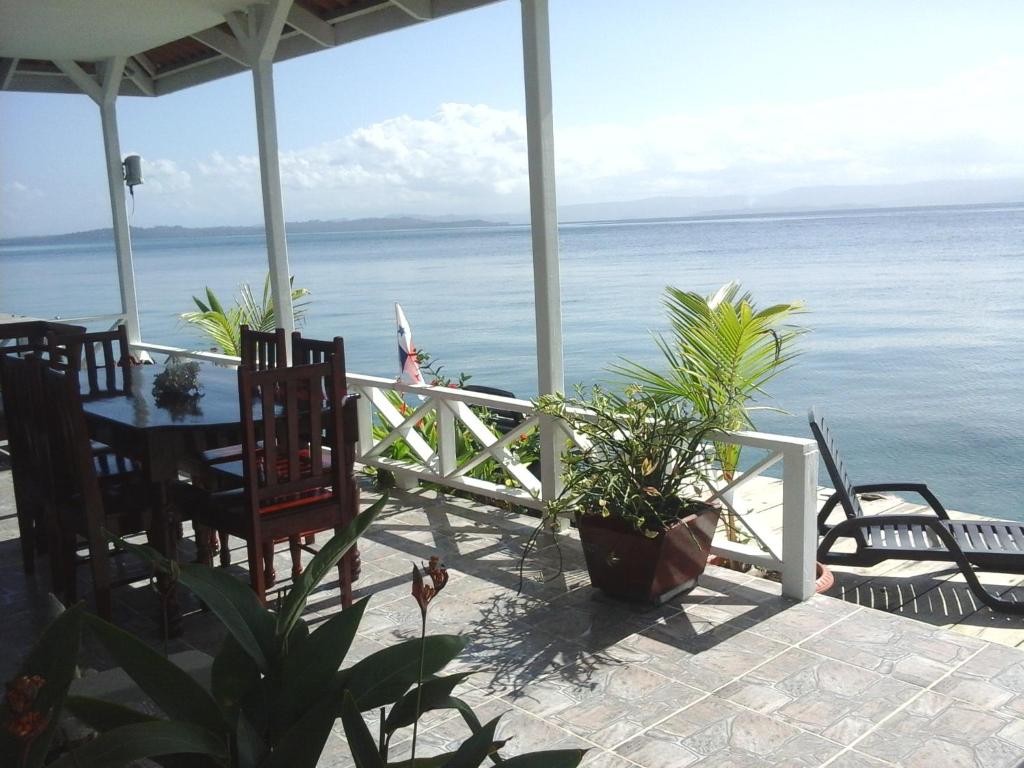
column 622, row 562
column 824, row 579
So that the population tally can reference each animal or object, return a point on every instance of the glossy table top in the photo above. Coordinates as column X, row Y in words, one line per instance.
column 218, row 404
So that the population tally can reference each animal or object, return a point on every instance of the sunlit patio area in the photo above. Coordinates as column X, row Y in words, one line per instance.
column 729, row 674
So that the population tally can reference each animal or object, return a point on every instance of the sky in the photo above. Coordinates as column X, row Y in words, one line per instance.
column 651, row 98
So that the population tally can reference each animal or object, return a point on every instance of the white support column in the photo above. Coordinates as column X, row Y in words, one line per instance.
column 540, row 141
column 273, row 204
column 104, row 93
column 258, row 34
column 799, row 520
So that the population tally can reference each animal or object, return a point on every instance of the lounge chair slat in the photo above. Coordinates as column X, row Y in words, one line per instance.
column 1017, row 533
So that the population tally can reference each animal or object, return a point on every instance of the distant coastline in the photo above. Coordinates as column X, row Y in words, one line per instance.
column 398, row 223
column 314, row 226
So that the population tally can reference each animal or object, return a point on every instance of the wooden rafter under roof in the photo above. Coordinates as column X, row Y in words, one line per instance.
column 36, row 33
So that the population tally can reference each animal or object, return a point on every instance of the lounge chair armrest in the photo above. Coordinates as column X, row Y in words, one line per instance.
column 830, row 504
column 920, row 489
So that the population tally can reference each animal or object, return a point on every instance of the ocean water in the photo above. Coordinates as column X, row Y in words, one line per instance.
column 916, row 316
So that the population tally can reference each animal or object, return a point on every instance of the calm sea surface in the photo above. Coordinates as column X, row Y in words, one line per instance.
column 916, row 347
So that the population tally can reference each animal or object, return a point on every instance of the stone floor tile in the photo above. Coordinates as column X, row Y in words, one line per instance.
column 933, row 722
column 893, row 645
column 525, row 732
column 714, row 731
column 839, row 701
column 854, row 759
column 993, row 679
column 613, row 705
column 697, row 652
column 601, row 759
column 796, row 621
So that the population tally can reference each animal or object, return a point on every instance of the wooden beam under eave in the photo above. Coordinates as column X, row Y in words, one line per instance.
column 224, row 44
column 7, row 69
column 311, row 25
column 135, row 72
column 421, row 10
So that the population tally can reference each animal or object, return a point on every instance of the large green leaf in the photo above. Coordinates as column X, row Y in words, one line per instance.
column 233, row 675
column 303, row 743
column 309, row 670
column 230, row 599
column 322, row 563
column 385, row 676
column 433, row 694
column 169, row 686
column 53, row 659
column 476, row 748
column 144, row 740
column 102, row 716
column 554, row 758
column 251, row 746
column 360, row 742
column 238, row 608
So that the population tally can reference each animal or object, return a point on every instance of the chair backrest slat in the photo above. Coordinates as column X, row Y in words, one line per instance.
column 74, row 476
column 263, row 351
column 88, row 354
column 834, row 464
column 21, row 390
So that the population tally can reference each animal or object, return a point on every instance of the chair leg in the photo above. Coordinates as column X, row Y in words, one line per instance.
column 268, row 559
column 256, row 576
column 26, row 532
column 225, row 549
column 295, row 547
column 345, row 577
column 99, row 564
column 204, row 544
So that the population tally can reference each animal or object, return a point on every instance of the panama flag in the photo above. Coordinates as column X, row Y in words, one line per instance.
column 407, row 362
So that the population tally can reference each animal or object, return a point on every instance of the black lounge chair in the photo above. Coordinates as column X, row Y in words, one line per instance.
column 985, row 545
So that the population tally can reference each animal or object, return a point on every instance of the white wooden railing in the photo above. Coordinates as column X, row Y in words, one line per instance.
column 427, row 423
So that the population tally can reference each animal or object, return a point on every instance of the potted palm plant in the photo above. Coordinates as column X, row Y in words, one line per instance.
column 634, row 486
column 721, row 353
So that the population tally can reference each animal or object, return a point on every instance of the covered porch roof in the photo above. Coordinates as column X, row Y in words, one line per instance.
column 172, row 46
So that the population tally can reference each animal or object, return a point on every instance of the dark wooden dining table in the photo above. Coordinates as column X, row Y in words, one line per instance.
column 165, row 438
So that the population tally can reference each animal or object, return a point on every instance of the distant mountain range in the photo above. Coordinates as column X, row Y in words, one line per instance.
column 293, row 227
column 801, row 199
column 797, row 200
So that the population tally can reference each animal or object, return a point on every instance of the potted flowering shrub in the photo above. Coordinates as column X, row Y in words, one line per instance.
column 635, row 487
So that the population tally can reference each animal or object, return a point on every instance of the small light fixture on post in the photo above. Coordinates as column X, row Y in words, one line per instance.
column 132, row 167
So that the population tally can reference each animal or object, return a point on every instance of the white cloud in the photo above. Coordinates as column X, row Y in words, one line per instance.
column 471, row 159
column 964, row 128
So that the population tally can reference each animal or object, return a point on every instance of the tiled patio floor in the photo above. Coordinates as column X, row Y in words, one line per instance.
column 728, row 675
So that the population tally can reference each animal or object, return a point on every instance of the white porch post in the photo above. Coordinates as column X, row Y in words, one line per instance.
column 540, row 142
column 104, row 94
column 259, row 33
column 799, row 520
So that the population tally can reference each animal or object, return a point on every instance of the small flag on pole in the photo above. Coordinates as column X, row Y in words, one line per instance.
column 407, row 362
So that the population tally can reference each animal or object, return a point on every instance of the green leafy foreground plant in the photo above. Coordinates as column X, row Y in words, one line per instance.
column 643, row 459
column 221, row 326
column 276, row 686
column 721, row 353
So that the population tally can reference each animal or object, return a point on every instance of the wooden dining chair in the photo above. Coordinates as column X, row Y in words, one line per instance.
column 309, row 352
column 20, row 383
column 263, row 351
column 104, row 357
column 296, row 476
column 83, row 506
